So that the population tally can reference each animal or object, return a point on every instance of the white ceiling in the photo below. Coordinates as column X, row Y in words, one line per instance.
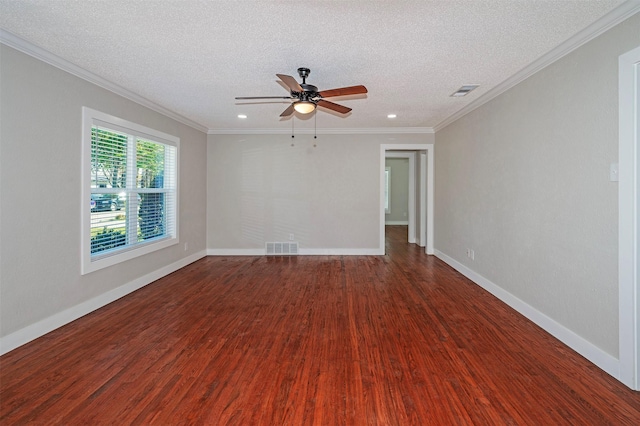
column 193, row 57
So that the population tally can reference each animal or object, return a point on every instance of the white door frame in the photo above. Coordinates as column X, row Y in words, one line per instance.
column 422, row 238
column 628, row 217
column 429, row 148
column 411, row 234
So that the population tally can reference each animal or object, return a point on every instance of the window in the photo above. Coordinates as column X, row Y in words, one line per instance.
column 387, row 190
column 130, row 193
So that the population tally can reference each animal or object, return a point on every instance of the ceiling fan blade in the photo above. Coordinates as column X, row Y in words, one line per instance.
column 343, row 91
column 263, row 97
column 291, row 82
column 335, row 107
column 287, row 112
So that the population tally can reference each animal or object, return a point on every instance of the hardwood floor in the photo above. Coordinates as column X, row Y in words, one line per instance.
column 400, row 339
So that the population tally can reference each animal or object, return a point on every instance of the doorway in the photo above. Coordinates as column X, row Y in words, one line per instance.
column 401, row 212
column 423, row 179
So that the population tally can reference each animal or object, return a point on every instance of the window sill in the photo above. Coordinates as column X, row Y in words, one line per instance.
column 104, row 261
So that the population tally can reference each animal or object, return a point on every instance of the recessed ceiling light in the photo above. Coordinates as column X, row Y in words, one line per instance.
column 242, row 116
column 391, row 116
column 464, row 90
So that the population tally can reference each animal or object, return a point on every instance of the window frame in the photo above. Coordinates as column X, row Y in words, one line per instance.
column 89, row 263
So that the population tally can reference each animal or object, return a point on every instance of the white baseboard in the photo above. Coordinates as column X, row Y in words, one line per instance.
column 340, row 252
column 396, row 222
column 600, row 358
column 42, row 327
column 236, row 252
column 302, row 252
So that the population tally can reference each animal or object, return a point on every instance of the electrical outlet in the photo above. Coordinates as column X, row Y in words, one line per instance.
column 471, row 254
column 291, row 237
column 186, row 246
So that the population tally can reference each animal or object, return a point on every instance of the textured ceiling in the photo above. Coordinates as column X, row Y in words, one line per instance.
column 193, row 57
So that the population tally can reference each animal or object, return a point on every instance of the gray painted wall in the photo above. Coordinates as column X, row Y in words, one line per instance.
column 399, row 193
column 40, row 184
column 524, row 181
column 260, row 189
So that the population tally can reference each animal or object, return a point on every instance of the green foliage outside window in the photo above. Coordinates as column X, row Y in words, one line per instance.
column 107, row 239
column 108, row 158
column 150, row 164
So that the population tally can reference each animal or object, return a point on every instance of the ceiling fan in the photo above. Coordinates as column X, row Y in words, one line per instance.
column 307, row 97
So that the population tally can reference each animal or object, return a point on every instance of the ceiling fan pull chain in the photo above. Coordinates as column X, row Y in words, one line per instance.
column 315, row 127
column 292, row 135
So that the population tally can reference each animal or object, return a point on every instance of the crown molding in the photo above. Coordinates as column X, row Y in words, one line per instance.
column 608, row 21
column 334, row 131
column 37, row 52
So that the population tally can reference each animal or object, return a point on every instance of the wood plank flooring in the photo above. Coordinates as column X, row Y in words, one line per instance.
column 400, row 339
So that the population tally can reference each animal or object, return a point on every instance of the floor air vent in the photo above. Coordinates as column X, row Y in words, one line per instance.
column 282, row 249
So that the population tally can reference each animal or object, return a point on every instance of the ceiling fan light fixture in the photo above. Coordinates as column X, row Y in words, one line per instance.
column 304, row 107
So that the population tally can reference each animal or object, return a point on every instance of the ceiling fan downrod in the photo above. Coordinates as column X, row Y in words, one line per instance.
column 304, row 73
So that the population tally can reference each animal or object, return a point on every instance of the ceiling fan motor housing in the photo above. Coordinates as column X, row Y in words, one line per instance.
column 309, row 89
